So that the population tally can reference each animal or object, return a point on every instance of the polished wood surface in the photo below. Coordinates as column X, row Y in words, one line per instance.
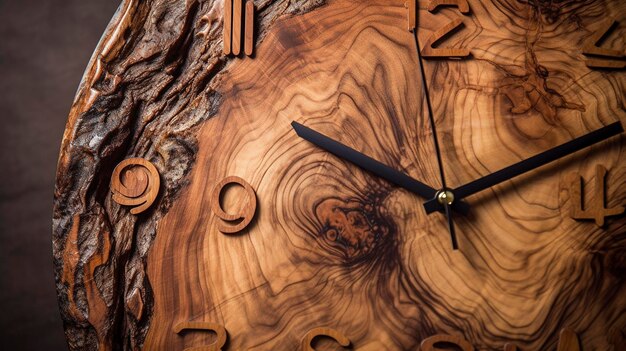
column 331, row 246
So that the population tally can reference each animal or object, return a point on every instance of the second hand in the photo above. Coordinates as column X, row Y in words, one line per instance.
column 444, row 196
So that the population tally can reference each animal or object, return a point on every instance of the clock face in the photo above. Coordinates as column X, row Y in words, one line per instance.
column 264, row 239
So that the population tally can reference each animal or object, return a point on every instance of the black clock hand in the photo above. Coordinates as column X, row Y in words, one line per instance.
column 369, row 164
column 529, row 164
column 442, row 196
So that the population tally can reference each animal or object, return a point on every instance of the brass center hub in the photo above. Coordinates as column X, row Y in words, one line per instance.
column 445, row 197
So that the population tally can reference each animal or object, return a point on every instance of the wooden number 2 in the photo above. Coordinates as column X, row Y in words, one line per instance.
column 328, row 332
column 222, row 335
column 429, row 50
column 237, row 221
column 591, row 48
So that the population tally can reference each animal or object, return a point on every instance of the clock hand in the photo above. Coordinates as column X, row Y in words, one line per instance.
column 444, row 197
column 369, row 164
column 529, row 164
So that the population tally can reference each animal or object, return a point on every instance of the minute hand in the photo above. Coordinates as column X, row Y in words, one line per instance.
column 529, row 164
column 369, row 164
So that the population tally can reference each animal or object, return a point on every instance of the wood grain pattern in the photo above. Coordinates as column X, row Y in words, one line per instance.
column 332, row 245
column 568, row 341
column 147, row 88
column 527, row 89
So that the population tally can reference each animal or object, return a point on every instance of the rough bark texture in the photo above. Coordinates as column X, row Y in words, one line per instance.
column 149, row 85
column 332, row 246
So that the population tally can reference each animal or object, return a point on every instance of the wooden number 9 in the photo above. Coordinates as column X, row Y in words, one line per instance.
column 328, row 332
column 218, row 329
column 234, row 222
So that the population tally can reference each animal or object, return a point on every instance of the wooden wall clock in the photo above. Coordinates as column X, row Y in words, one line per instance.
column 290, row 177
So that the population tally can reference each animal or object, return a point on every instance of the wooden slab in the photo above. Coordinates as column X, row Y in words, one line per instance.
column 331, row 246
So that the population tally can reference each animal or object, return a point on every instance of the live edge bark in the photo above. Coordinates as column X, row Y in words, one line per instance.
column 155, row 79
column 147, row 88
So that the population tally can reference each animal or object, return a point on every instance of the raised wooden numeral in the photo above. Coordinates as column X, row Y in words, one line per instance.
column 249, row 25
column 411, row 5
column 218, row 329
column 235, row 26
column 430, row 343
column 429, row 50
column 591, row 47
column 323, row 332
column 235, row 222
column 135, row 182
column 601, row 63
column 463, row 5
column 228, row 26
column 237, row 12
column 596, row 209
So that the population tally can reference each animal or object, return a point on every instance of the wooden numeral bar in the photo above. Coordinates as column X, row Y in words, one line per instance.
column 249, row 27
column 237, row 12
column 327, row 332
column 411, row 14
column 603, row 63
column 228, row 26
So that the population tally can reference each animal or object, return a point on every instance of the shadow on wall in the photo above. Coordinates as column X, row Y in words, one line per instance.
column 44, row 50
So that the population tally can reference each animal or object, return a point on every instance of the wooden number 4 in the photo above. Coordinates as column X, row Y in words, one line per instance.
column 591, row 48
column 596, row 209
column 438, row 35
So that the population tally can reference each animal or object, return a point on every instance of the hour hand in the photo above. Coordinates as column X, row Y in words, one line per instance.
column 369, row 164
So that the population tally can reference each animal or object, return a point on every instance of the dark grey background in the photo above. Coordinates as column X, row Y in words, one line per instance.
column 44, row 48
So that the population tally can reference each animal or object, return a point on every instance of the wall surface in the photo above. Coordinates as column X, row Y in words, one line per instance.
column 44, row 48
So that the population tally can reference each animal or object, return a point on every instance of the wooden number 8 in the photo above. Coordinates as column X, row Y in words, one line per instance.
column 235, row 222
